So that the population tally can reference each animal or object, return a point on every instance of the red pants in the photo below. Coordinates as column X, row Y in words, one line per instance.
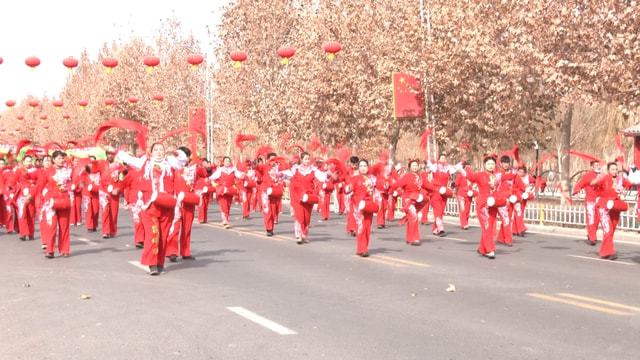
column 56, row 221
column 592, row 217
column 11, row 220
column 438, row 202
column 225, row 207
column 302, row 214
column 75, row 216
column 256, row 205
column 26, row 216
column 363, row 232
column 413, row 214
column 350, row 209
column 111, row 205
column 518, row 217
column 138, row 228
column 182, row 230
column 609, row 221
column 92, row 208
column 383, row 203
column 156, row 231
column 505, row 235
column 269, row 211
column 203, row 208
column 3, row 209
column 391, row 210
column 487, row 218
column 424, row 213
column 464, row 209
column 341, row 201
column 325, row 204
column 247, row 198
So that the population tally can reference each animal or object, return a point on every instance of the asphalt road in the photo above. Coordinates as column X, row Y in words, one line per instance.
column 548, row 297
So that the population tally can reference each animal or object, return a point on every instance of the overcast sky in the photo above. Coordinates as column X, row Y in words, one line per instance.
column 53, row 30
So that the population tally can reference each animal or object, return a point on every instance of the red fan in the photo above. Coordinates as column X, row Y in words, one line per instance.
column 585, row 156
column 314, row 144
column 139, row 128
column 242, row 138
column 263, row 151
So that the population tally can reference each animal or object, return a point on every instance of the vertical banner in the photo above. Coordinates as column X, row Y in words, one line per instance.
column 408, row 97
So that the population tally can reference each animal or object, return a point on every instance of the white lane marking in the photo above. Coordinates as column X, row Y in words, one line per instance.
column 455, row 239
column 138, row 265
column 597, row 259
column 275, row 327
column 87, row 241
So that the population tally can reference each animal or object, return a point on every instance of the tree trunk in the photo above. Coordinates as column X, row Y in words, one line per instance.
column 393, row 141
column 565, row 146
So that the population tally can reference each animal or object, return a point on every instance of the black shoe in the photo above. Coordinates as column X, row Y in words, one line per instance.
column 416, row 243
column 105, row 236
column 161, row 270
column 269, row 233
column 139, row 245
column 491, row 255
column 173, row 258
column 589, row 242
column 381, row 226
column 31, row 238
column 442, row 234
column 365, row 254
column 49, row 256
column 300, row 242
column 190, row 257
column 613, row 257
column 153, row 271
column 352, row 233
column 23, row 238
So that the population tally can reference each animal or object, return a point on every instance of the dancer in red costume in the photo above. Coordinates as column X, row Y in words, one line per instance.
column 464, row 195
column 56, row 206
column 225, row 178
column 524, row 196
column 590, row 200
column 26, row 180
column 363, row 186
column 442, row 172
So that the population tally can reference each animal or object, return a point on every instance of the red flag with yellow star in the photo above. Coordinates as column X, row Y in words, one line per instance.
column 408, row 97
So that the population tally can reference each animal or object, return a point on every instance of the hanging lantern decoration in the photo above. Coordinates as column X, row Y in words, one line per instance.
column 20, row 117
column 109, row 64
column 158, row 98
column 43, row 117
column 109, row 102
column 57, row 104
column 33, row 103
column 66, row 116
column 10, row 103
column 151, row 62
column 83, row 104
column 195, row 60
column 285, row 53
column 46, row 127
column 70, row 63
column 238, row 58
column 331, row 48
column 132, row 100
column 32, row 62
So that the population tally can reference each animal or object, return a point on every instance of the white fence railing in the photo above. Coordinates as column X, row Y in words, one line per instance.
column 554, row 214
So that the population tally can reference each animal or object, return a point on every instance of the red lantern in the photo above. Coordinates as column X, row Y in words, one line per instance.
column 57, row 104
column 109, row 102
column 32, row 62
column 331, row 48
column 10, row 103
column 132, row 100
column 151, row 62
column 33, row 103
column 109, row 64
column 195, row 60
column 286, row 52
column 83, row 104
column 238, row 57
column 20, row 117
column 158, row 98
column 70, row 62
column 46, row 127
column 43, row 117
column 66, row 116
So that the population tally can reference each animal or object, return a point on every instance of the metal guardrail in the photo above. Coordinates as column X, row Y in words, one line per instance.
column 554, row 214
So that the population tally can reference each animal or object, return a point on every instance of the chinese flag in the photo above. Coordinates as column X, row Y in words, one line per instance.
column 408, row 97
column 197, row 120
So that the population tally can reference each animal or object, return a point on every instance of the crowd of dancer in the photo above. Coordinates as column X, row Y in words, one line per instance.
column 163, row 190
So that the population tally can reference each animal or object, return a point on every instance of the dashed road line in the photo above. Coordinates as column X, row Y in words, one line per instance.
column 260, row 320
column 603, row 260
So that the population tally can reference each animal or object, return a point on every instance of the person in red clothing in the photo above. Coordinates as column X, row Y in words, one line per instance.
column 509, row 185
column 381, row 193
column 76, row 186
column 133, row 200
column 464, row 195
column 91, row 195
column 9, row 193
column 25, row 195
column 203, row 187
column 271, row 192
column 363, row 186
column 109, row 194
column 590, row 200
column 442, row 172
column 414, row 194
column 187, row 176
column 488, row 201
column 156, row 188
column 350, row 207
column 325, row 191
column 56, row 206
column 248, row 188
column 609, row 206
column 396, row 173
column 303, row 194
column 224, row 179
column 519, row 228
